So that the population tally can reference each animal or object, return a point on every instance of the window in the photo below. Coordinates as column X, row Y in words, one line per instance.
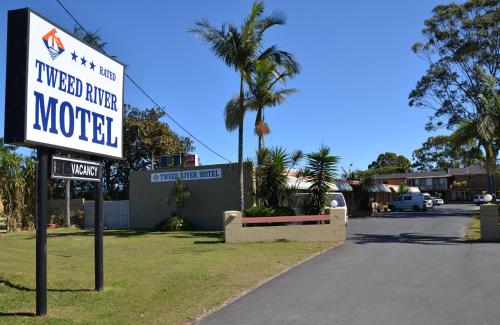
column 407, row 198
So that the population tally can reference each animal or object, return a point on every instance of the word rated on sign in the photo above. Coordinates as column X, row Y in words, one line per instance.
column 75, row 169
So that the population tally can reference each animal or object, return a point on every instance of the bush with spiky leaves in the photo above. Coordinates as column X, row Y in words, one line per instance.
column 321, row 170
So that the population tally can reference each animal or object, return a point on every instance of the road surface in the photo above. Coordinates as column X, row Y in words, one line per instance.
column 399, row 268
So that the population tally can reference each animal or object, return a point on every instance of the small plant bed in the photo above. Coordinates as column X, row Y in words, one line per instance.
column 150, row 277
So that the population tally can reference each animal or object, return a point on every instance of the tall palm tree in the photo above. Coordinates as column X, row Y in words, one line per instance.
column 263, row 93
column 239, row 48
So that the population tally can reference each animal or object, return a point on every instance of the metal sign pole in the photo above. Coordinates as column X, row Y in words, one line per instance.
column 98, row 234
column 41, row 232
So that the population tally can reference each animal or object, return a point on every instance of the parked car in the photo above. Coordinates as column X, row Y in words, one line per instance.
column 437, row 201
column 478, row 200
column 411, row 201
column 339, row 197
column 297, row 198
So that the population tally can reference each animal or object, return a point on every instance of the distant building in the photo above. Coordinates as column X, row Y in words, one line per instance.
column 455, row 184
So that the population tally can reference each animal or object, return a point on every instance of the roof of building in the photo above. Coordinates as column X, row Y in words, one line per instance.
column 302, row 184
column 471, row 170
column 425, row 174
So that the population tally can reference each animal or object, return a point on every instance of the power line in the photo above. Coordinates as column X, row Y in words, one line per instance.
column 147, row 95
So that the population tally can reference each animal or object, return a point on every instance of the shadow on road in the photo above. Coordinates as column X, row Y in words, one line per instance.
column 407, row 238
column 432, row 213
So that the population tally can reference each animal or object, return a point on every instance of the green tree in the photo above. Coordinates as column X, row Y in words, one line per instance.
column 462, row 46
column 439, row 153
column 263, row 93
column 145, row 137
column 17, row 189
column 5, row 148
column 388, row 163
column 321, row 169
column 179, row 196
column 239, row 48
column 403, row 188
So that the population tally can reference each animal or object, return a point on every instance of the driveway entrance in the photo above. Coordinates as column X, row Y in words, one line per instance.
column 398, row 268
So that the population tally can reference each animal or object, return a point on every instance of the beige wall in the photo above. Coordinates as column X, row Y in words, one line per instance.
column 149, row 201
column 489, row 222
column 234, row 232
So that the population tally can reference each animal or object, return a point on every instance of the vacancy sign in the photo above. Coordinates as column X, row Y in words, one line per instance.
column 61, row 92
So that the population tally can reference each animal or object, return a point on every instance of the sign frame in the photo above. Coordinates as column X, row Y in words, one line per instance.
column 76, row 160
column 16, row 85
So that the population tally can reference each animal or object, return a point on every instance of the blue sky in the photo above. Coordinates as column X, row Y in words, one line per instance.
column 357, row 70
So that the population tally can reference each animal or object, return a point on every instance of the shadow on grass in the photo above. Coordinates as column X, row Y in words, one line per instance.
column 13, row 314
column 211, row 242
column 135, row 233
column 23, row 288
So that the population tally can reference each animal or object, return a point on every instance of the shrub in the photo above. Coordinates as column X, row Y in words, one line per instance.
column 269, row 212
column 175, row 223
column 284, row 211
column 259, row 212
column 307, row 206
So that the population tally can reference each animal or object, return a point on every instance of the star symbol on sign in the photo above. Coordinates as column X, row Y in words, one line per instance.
column 73, row 56
column 92, row 65
column 83, row 61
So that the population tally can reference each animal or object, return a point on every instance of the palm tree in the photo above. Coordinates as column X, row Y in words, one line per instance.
column 239, row 48
column 263, row 93
column 485, row 128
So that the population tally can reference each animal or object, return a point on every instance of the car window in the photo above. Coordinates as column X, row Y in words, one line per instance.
column 337, row 197
column 427, row 197
column 407, row 198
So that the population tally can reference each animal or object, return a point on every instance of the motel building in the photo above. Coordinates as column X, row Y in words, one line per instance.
column 454, row 184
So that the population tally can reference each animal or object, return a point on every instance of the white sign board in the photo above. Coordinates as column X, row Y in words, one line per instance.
column 74, row 94
column 192, row 175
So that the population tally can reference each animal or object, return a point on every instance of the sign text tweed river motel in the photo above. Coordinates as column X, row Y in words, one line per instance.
column 61, row 94
column 71, row 96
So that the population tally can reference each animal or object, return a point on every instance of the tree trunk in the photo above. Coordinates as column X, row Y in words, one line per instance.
column 240, row 145
column 490, row 168
column 67, row 211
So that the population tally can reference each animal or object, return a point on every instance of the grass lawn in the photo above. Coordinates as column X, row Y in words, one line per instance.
column 473, row 231
column 149, row 277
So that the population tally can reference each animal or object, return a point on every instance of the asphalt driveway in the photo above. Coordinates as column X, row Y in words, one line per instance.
column 399, row 268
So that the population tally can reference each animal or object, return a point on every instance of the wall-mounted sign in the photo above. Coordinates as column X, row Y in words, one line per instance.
column 75, row 169
column 60, row 92
column 192, row 175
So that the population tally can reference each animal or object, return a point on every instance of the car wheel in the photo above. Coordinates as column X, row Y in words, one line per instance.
column 416, row 208
column 391, row 207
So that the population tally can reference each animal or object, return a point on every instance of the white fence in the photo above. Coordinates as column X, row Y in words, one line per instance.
column 115, row 213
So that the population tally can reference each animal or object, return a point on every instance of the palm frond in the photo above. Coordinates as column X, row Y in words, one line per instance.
column 232, row 115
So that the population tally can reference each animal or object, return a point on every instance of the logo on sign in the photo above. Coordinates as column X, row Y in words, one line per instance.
column 53, row 44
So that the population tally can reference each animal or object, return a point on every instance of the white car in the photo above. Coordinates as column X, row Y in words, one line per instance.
column 437, row 201
column 411, row 201
column 478, row 200
column 340, row 200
